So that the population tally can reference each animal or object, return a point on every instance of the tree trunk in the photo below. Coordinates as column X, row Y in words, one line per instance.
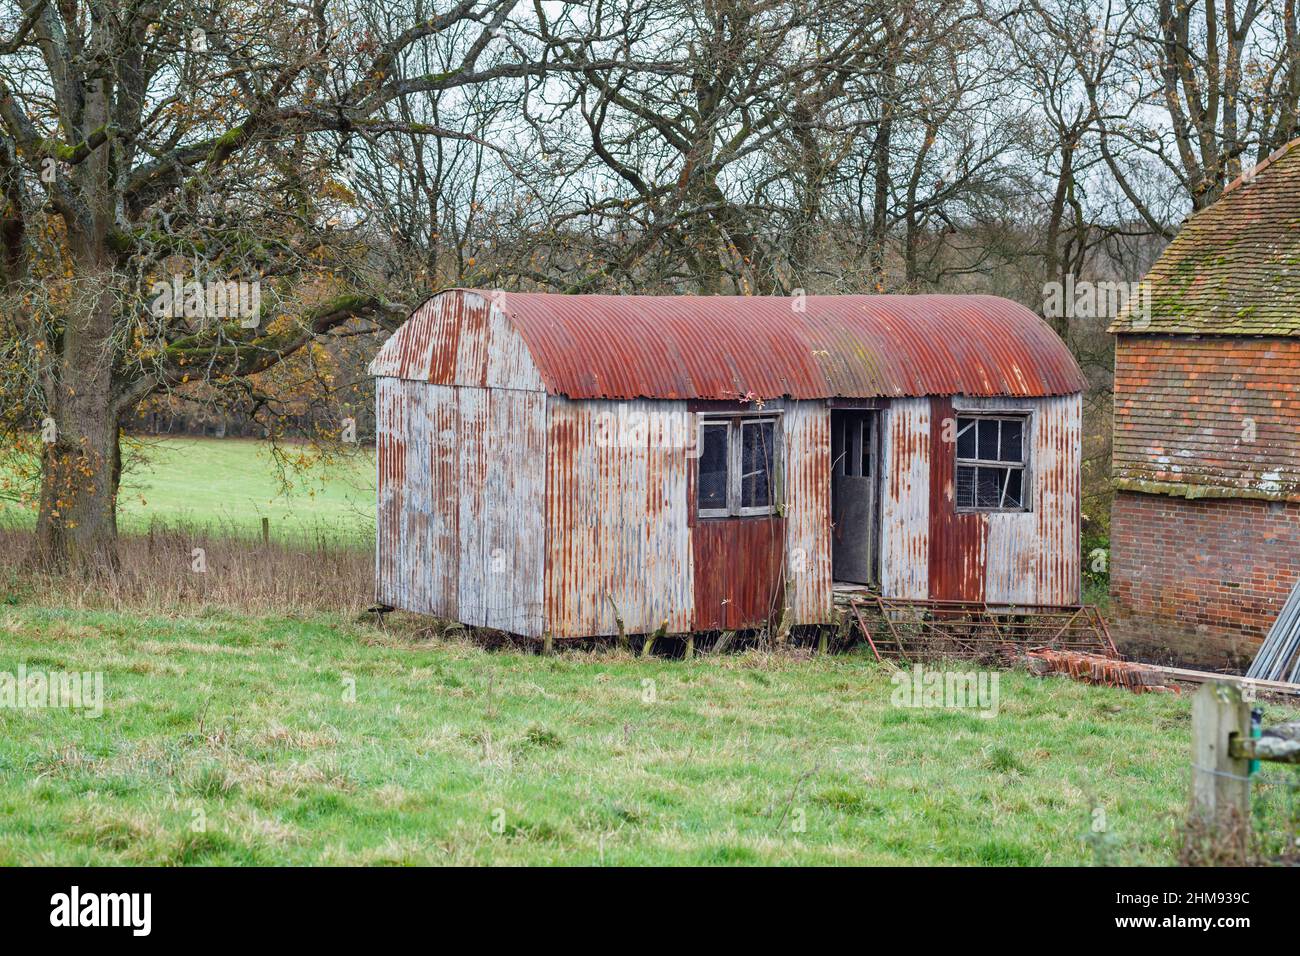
column 77, row 524
column 76, row 528
column 880, row 206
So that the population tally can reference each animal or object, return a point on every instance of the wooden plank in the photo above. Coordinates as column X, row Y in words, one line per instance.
column 1200, row 677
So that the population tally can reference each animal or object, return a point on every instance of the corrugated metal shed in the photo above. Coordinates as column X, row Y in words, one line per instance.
column 515, row 493
column 732, row 347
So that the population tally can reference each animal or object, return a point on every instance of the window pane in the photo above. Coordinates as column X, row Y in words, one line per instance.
column 988, row 441
column 713, row 467
column 1015, row 477
column 965, row 486
column 756, row 457
column 1011, row 440
column 988, row 487
column 965, row 438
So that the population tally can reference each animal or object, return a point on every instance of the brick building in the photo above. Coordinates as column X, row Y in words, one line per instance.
column 1205, row 529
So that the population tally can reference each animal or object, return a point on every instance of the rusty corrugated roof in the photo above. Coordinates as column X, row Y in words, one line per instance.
column 734, row 347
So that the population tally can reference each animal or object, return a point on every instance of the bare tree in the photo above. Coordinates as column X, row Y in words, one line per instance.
column 158, row 146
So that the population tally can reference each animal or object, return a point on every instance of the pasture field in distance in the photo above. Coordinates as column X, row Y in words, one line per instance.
column 227, row 485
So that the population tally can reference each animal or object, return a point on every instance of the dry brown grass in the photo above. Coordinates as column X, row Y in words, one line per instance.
column 159, row 571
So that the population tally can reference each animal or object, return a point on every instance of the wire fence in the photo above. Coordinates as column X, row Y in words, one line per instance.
column 1275, row 813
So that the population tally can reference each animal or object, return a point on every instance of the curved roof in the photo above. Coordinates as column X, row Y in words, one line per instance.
column 732, row 347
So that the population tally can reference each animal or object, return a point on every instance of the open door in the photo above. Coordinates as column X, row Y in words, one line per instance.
column 854, row 471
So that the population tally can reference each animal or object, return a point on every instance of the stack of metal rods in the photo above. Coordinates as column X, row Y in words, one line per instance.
column 1279, row 655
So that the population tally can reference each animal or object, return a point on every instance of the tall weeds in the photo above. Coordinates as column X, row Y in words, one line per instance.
column 174, row 568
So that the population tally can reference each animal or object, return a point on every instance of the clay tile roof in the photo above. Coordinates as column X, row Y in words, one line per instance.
column 1234, row 268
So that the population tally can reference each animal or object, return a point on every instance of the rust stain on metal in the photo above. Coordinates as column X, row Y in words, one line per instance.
column 905, row 514
column 738, row 564
column 957, row 541
column 806, row 431
column 616, row 530
column 726, row 347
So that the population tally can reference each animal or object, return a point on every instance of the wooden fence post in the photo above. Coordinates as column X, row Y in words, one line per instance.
column 1220, row 785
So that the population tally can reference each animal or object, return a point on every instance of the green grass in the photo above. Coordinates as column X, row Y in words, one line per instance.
column 453, row 754
column 231, row 483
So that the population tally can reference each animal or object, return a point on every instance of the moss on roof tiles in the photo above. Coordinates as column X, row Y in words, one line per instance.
column 1230, row 270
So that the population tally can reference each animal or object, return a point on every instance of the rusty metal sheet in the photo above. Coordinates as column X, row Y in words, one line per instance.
column 460, row 525
column 821, row 346
column 905, row 500
column 957, row 541
column 1034, row 557
column 738, row 563
column 390, row 463
column 514, row 502
column 459, row 338
column 1058, row 447
column 806, row 433
column 616, row 525
column 729, row 347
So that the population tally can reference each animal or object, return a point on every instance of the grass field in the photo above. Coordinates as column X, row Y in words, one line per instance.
column 454, row 754
column 251, row 715
column 229, row 484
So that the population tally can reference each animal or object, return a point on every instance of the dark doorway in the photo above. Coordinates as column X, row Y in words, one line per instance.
column 854, row 480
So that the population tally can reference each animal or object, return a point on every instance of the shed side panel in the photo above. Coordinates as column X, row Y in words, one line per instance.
column 474, row 581
column 417, row 537
column 807, row 435
column 905, row 499
column 444, row 497
column 1058, row 445
column 616, row 520
column 514, row 502
column 957, row 540
column 390, row 463
column 1033, row 557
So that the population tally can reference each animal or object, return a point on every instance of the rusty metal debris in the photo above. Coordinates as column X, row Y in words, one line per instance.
column 914, row 629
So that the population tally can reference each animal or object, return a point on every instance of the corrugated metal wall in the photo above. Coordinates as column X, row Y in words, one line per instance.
column 460, row 529
column 807, row 431
column 1034, row 556
column 620, row 525
column 515, row 510
column 928, row 550
column 616, row 523
column 905, row 499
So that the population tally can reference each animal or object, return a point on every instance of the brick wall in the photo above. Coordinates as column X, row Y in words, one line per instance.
column 1199, row 581
column 1210, row 412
